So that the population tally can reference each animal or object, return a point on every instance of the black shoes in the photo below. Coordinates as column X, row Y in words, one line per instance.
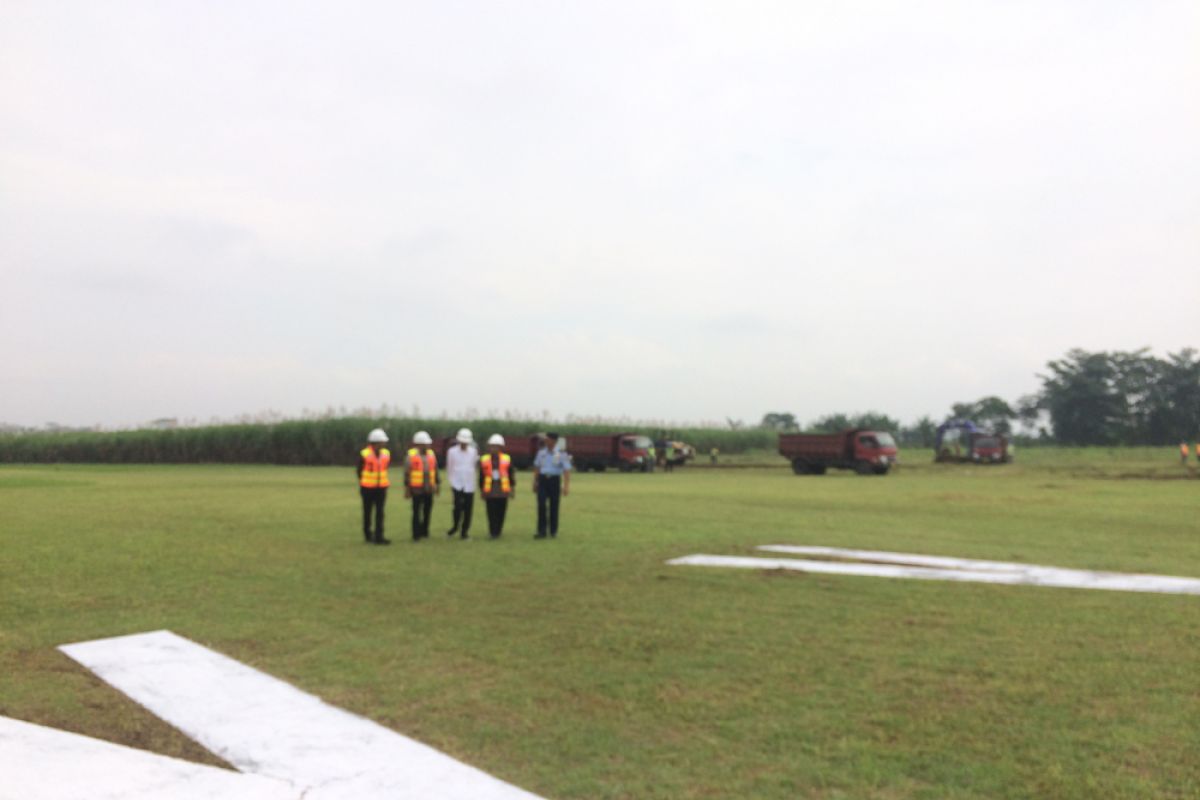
column 452, row 531
column 382, row 540
column 539, row 536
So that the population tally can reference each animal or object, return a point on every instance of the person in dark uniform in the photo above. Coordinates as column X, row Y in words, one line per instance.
column 498, row 482
column 421, row 482
column 373, row 484
column 551, row 479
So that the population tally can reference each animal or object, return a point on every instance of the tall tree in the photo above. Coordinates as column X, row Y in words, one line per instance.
column 1081, row 397
column 989, row 412
column 778, row 421
column 832, row 423
column 923, row 432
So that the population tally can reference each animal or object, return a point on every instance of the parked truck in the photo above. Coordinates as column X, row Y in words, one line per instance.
column 628, row 452
column 673, row 452
column 866, row 452
column 962, row 441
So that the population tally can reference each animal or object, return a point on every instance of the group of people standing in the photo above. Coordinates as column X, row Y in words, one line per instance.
column 491, row 474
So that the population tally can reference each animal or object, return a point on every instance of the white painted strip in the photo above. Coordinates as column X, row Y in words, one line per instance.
column 267, row 727
column 1042, row 576
column 1036, row 574
column 39, row 763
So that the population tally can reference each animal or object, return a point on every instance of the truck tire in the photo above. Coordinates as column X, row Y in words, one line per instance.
column 864, row 468
column 800, row 467
column 599, row 468
column 882, row 470
column 816, row 469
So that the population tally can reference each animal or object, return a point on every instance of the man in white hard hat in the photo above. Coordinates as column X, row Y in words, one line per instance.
column 461, row 462
column 498, row 480
column 421, row 482
column 373, row 484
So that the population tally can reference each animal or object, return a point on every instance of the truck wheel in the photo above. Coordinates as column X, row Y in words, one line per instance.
column 817, row 469
column 882, row 470
column 864, row 468
column 599, row 468
column 799, row 467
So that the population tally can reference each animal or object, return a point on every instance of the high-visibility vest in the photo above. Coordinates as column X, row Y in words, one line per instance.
column 1183, row 449
column 418, row 467
column 504, row 487
column 374, row 471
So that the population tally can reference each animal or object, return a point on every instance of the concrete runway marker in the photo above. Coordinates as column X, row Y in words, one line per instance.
column 289, row 743
column 883, row 564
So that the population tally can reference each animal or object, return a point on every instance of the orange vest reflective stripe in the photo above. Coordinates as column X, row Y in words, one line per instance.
column 374, row 471
column 418, row 467
column 505, row 487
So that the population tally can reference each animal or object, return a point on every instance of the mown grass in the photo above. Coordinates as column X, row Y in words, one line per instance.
column 584, row 667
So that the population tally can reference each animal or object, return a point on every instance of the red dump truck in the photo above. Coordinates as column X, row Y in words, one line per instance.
column 865, row 452
column 628, row 452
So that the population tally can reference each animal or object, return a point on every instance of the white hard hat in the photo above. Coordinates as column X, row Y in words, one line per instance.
column 464, row 436
column 377, row 436
column 421, row 437
column 496, row 439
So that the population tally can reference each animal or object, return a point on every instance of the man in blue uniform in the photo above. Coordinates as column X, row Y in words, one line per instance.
column 551, row 479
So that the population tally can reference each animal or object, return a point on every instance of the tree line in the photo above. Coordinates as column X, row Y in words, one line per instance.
column 1086, row 398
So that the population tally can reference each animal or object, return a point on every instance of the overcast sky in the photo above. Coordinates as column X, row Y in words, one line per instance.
column 659, row 210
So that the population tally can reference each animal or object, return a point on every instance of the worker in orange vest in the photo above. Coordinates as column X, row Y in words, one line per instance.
column 1183, row 452
column 373, row 484
column 421, row 482
column 498, row 482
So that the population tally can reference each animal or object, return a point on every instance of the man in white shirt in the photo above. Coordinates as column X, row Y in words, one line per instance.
column 462, row 463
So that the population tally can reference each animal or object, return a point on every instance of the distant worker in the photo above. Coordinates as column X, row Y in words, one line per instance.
column 669, row 458
column 712, row 456
column 373, row 484
column 461, row 463
column 1183, row 452
column 421, row 482
column 551, row 478
column 498, row 482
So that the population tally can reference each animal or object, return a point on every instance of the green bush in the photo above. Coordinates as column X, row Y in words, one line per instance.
column 313, row 442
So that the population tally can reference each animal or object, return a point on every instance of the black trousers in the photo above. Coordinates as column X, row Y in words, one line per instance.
column 422, row 506
column 464, row 505
column 497, row 507
column 549, row 493
column 373, row 499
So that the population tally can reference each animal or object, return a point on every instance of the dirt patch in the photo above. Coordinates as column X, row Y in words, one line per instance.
column 67, row 697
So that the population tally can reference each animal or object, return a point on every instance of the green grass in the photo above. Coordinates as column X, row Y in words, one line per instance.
column 585, row 668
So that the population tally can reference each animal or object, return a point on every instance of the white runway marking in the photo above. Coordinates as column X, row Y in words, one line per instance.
column 39, row 763
column 941, row 568
column 271, row 729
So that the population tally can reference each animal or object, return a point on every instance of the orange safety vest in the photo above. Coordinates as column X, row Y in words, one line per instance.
column 374, row 471
column 417, row 469
column 1183, row 449
column 505, row 487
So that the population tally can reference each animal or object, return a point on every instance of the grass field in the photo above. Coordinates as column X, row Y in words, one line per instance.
column 585, row 668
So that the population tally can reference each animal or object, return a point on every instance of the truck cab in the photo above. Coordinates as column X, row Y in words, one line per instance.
column 873, row 452
column 633, row 453
column 988, row 449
